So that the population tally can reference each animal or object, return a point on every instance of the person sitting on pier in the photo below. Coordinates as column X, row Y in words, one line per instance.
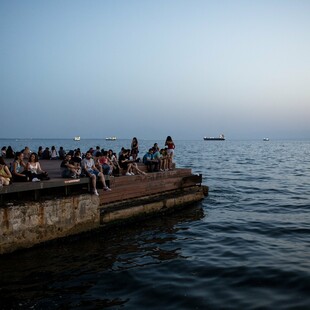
column 88, row 166
column 152, row 165
column 19, row 169
column 61, row 153
column 3, row 151
column 97, row 149
column 125, row 163
column 33, row 166
column 46, row 154
column 155, row 147
column 40, row 152
column 5, row 174
column 69, row 169
column 26, row 152
column 9, row 152
column 105, row 165
column 156, row 158
column 54, row 154
column 77, row 159
column 163, row 159
column 134, row 165
column 116, row 167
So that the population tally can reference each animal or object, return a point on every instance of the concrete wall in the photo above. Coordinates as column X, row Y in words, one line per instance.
column 27, row 224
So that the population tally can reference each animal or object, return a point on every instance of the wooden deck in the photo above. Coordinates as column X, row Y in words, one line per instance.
column 123, row 187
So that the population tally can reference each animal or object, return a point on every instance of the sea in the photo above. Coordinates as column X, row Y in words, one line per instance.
column 245, row 246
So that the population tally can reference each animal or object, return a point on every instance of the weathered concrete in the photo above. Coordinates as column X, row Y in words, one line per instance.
column 31, row 223
column 25, row 225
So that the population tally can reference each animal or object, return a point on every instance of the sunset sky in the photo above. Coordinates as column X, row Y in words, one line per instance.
column 155, row 68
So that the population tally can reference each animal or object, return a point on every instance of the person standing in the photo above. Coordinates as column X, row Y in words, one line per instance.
column 134, row 148
column 170, row 151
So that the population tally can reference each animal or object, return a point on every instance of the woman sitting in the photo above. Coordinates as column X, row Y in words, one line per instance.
column 116, row 167
column 36, row 173
column 19, row 169
column 5, row 174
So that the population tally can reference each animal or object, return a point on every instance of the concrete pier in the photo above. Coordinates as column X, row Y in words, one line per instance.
column 59, row 207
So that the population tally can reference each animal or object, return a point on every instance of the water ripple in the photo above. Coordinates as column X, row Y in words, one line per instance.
column 246, row 246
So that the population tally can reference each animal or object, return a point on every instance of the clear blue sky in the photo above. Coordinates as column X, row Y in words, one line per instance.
column 155, row 68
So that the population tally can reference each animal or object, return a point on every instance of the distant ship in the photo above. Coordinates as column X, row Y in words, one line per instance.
column 265, row 139
column 110, row 138
column 77, row 138
column 220, row 138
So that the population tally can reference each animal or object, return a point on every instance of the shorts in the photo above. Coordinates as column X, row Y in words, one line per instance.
column 95, row 172
column 170, row 152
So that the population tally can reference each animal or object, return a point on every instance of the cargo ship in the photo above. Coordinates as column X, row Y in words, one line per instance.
column 219, row 138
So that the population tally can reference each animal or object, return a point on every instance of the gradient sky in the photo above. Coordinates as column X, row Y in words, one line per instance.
column 155, row 68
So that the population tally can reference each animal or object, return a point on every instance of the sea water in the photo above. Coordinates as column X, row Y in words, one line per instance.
column 245, row 246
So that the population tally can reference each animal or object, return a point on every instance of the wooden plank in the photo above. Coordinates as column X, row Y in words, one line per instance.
column 140, row 189
column 123, row 187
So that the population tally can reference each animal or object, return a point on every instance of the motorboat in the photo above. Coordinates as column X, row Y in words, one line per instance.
column 77, row 138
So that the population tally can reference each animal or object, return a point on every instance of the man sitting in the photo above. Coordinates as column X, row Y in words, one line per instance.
column 156, row 158
column 68, row 169
column 88, row 165
column 150, row 162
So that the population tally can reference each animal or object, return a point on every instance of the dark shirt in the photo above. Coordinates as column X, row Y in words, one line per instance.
column 65, row 163
column 77, row 160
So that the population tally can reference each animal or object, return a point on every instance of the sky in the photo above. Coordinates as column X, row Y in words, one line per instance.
column 184, row 68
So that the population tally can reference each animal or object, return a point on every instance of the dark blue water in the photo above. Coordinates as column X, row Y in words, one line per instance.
column 246, row 246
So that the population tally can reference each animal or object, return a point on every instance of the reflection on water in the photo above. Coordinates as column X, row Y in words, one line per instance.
column 66, row 270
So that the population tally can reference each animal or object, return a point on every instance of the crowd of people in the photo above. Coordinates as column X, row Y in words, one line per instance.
column 96, row 163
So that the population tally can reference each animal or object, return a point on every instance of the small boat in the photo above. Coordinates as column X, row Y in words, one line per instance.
column 110, row 138
column 77, row 138
column 220, row 138
column 265, row 139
